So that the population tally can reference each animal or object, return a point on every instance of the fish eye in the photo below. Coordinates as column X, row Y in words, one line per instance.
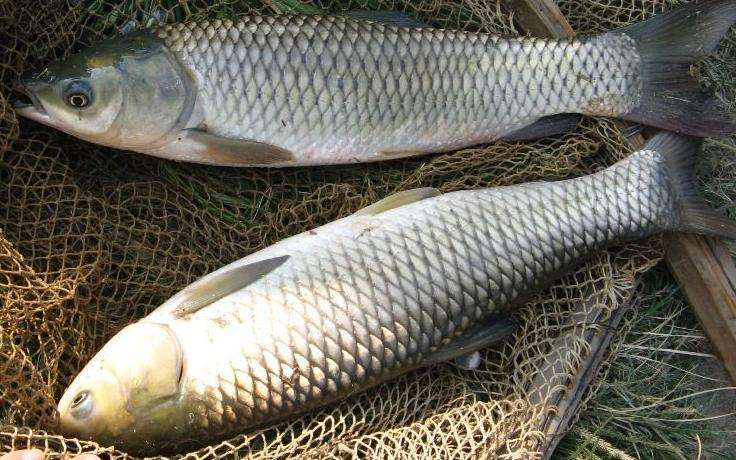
column 79, row 399
column 78, row 100
column 78, row 94
column 81, row 405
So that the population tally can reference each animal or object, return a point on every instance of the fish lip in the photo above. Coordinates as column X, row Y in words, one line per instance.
column 26, row 103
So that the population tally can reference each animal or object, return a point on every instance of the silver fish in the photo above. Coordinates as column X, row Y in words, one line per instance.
column 306, row 90
column 416, row 279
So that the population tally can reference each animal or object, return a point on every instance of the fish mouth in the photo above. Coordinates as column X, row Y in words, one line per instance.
column 26, row 104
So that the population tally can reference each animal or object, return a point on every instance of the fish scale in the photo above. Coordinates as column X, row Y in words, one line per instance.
column 390, row 289
column 334, row 89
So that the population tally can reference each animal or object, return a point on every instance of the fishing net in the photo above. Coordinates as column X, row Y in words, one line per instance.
column 92, row 239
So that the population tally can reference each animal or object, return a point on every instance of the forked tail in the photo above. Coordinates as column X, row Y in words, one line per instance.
column 668, row 45
column 693, row 213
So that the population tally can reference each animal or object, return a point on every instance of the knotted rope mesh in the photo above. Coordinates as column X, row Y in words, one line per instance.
column 92, row 239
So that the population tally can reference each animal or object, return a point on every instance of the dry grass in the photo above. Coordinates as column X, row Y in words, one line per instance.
column 664, row 394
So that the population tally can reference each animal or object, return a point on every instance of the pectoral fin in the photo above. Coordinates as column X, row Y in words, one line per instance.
column 397, row 200
column 476, row 338
column 202, row 147
column 215, row 286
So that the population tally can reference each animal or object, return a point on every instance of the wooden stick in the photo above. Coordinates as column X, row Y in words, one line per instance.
column 567, row 407
column 566, row 397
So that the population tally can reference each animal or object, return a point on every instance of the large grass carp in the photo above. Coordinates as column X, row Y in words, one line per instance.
column 416, row 279
column 305, row 90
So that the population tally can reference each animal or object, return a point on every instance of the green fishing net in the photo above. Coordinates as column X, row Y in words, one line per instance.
column 92, row 239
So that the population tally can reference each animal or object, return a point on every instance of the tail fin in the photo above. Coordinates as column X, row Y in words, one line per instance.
column 694, row 214
column 669, row 44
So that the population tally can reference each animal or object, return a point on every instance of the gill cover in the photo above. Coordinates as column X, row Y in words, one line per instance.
column 126, row 391
column 128, row 92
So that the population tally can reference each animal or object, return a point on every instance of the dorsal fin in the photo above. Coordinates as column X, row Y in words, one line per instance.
column 215, row 286
column 393, row 18
column 397, row 200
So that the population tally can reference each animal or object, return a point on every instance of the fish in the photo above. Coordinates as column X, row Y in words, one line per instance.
column 417, row 279
column 369, row 86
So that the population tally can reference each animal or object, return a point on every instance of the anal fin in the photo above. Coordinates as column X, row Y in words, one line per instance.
column 546, row 126
column 468, row 362
column 476, row 338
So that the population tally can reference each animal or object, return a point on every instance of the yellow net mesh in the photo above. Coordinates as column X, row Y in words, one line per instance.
column 92, row 239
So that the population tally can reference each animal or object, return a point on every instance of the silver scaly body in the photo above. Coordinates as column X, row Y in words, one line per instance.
column 339, row 90
column 308, row 90
column 369, row 296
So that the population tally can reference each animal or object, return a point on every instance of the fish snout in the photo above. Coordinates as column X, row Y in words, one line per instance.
column 23, row 97
column 20, row 97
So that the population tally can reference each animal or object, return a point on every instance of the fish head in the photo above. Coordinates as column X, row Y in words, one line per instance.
column 129, row 392
column 128, row 93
